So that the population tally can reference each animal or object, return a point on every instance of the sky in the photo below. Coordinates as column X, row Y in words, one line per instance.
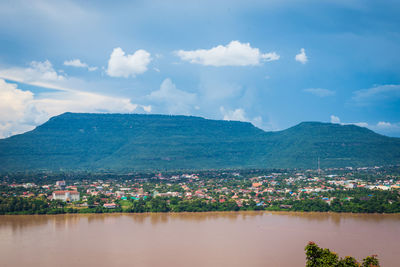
column 273, row 63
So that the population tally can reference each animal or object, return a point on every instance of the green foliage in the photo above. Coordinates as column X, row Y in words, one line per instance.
column 131, row 142
column 159, row 204
column 362, row 201
column 370, row 261
column 310, row 205
column 20, row 205
column 323, row 257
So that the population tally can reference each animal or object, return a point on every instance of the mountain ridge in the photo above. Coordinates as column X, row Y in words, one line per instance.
column 128, row 142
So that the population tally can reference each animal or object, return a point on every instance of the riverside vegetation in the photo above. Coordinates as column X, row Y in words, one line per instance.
column 323, row 257
column 363, row 190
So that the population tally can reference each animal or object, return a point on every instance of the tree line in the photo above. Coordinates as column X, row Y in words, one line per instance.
column 377, row 203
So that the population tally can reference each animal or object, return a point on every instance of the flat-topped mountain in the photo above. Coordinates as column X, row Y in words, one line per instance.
column 129, row 142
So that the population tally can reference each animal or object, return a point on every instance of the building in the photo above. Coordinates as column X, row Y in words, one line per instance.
column 255, row 185
column 60, row 183
column 66, row 196
column 110, row 205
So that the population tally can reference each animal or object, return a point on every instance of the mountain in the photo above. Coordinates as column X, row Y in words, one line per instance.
column 129, row 142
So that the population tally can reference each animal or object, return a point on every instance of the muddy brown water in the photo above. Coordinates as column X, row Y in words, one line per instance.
column 193, row 239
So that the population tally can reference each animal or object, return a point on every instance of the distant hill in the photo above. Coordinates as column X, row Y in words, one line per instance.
column 129, row 142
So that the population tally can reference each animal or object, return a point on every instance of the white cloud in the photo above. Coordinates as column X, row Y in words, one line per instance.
column 335, row 119
column 321, row 92
column 377, row 94
column 272, row 56
column 14, row 106
column 121, row 65
column 36, row 71
column 233, row 54
column 44, row 70
column 13, row 100
column 21, row 111
column 239, row 114
column 170, row 99
column 233, row 115
column 388, row 128
column 78, row 64
column 384, row 124
column 77, row 101
column 147, row 108
column 302, row 57
column 381, row 127
column 75, row 63
column 361, row 124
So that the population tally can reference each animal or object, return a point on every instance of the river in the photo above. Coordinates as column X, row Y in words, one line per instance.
column 193, row 239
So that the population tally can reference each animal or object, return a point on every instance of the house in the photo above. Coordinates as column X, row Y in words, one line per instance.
column 66, row 196
column 255, row 185
column 110, row 205
column 60, row 183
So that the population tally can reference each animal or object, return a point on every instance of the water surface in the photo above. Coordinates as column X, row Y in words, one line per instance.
column 193, row 239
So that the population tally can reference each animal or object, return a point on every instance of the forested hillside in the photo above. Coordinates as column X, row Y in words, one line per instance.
column 129, row 142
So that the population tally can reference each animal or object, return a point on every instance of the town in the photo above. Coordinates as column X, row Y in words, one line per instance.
column 360, row 190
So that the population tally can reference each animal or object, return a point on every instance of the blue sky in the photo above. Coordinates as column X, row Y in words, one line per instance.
column 273, row 63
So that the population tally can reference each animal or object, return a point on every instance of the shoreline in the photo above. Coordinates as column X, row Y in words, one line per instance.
column 216, row 212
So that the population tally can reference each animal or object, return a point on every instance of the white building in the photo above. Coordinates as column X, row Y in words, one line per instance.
column 66, row 196
column 60, row 183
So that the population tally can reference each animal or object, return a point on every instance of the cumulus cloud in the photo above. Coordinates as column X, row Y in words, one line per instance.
column 37, row 71
column 147, row 108
column 121, row 65
column 172, row 100
column 75, row 63
column 21, row 111
column 233, row 54
column 336, row 119
column 78, row 64
column 301, row 57
column 13, row 100
column 384, row 124
column 233, row 115
column 239, row 114
column 14, row 107
column 377, row 94
column 321, row 92
column 388, row 127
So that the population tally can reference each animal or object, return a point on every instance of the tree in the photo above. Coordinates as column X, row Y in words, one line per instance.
column 370, row 261
column 323, row 257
